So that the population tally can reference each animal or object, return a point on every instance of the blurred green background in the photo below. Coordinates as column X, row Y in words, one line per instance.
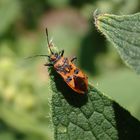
column 24, row 84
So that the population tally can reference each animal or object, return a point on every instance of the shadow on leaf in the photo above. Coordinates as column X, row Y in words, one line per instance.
column 128, row 127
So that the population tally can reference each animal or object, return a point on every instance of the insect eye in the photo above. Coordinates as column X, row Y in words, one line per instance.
column 76, row 71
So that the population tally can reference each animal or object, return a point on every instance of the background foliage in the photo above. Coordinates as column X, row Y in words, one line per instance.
column 24, row 88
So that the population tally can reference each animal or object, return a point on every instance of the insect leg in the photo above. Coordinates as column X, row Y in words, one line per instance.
column 48, row 64
column 74, row 58
column 62, row 52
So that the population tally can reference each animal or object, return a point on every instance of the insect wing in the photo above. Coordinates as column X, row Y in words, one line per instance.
column 80, row 83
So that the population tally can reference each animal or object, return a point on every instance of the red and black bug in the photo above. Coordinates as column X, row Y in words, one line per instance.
column 64, row 66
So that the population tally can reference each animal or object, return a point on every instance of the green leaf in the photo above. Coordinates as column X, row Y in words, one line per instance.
column 89, row 117
column 124, row 32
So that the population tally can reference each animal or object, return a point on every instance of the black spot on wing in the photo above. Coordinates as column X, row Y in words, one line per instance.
column 76, row 71
column 68, row 79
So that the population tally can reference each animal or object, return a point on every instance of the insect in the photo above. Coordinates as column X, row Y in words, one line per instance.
column 65, row 67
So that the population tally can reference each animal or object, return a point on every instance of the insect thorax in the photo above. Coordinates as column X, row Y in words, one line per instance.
column 63, row 65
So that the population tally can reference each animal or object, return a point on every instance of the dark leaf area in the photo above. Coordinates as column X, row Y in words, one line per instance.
column 89, row 117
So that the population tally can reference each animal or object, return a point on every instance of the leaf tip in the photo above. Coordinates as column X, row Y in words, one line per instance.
column 97, row 15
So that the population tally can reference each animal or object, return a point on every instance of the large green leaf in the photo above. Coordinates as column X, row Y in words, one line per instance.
column 89, row 117
column 124, row 33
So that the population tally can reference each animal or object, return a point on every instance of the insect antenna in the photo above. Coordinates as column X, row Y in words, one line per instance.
column 48, row 41
column 42, row 55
